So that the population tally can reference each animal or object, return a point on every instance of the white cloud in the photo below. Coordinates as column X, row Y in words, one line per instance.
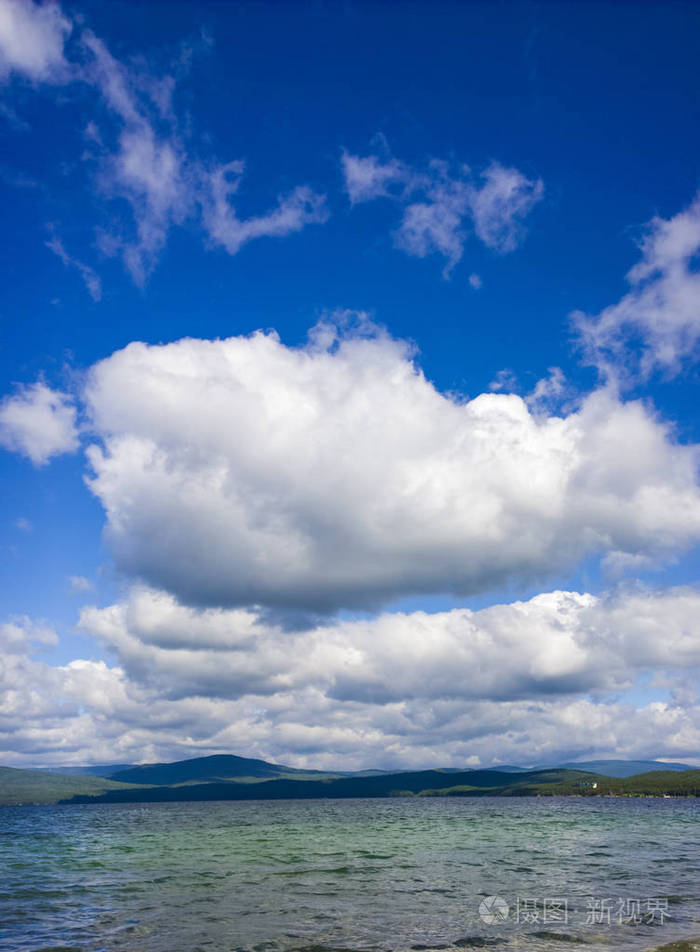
column 142, row 153
column 505, row 684
column 550, row 391
column 435, row 223
column 440, row 206
column 24, row 524
column 301, row 207
column 152, row 166
column 80, row 584
column 148, row 169
column 558, row 643
column 475, row 281
column 22, row 634
column 500, row 205
column 32, row 37
column 242, row 471
column 505, row 380
column 38, row 423
column 656, row 326
column 371, row 177
column 90, row 277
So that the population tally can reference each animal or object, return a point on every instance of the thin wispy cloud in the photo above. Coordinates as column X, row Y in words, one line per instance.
column 301, row 207
column 90, row 277
column 500, row 204
column 140, row 151
column 371, row 176
column 655, row 327
column 442, row 206
column 80, row 585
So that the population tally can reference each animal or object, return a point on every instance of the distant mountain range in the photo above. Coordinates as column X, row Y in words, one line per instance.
column 227, row 777
column 219, row 767
column 624, row 768
column 231, row 767
column 99, row 770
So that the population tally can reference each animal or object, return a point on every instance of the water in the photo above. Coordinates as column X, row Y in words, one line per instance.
column 361, row 874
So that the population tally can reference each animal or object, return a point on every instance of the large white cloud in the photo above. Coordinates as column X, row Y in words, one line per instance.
column 39, row 423
column 656, row 325
column 32, row 37
column 242, row 471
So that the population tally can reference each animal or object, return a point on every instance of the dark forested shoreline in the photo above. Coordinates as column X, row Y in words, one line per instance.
column 236, row 778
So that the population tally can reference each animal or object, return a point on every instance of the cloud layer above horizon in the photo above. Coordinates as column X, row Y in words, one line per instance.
column 410, row 690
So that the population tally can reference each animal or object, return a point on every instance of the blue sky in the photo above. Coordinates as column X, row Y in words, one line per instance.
column 468, row 432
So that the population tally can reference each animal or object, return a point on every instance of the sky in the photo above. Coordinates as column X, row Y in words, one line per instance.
column 348, row 413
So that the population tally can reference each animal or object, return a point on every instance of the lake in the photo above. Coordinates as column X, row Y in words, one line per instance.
column 509, row 874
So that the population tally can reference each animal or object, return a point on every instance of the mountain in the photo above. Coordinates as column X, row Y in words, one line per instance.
column 216, row 768
column 229, row 767
column 228, row 777
column 625, row 768
column 100, row 770
column 420, row 782
column 424, row 783
column 226, row 767
column 39, row 786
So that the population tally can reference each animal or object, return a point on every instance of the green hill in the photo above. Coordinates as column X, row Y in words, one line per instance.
column 241, row 778
column 212, row 769
column 425, row 783
column 37, row 786
column 87, row 770
column 625, row 768
column 674, row 783
column 421, row 782
column 655, row 783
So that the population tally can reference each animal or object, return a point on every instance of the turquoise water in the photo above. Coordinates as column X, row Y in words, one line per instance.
column 359, row 874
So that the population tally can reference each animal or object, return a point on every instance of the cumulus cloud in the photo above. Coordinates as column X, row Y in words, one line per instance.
column 442, row 205
column 23, row 634
column 32, row 38
column 242, row 471
column 558, row 643
column 38, row 423
column 529, row 682
column 656, row 325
